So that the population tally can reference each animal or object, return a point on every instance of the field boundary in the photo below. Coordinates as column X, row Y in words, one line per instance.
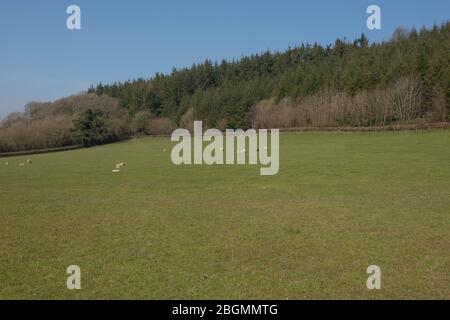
column 408, row 127
column 30, row 152
column 411, row 127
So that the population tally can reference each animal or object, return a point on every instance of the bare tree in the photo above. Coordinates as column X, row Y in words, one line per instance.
column 405, row 96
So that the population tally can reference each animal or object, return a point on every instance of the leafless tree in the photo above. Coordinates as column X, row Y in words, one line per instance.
column 405, row 95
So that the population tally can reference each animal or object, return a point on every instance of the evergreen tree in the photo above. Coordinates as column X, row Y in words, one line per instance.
column 90, row 128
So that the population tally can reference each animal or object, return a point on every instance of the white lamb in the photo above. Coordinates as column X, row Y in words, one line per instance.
column 120, row 165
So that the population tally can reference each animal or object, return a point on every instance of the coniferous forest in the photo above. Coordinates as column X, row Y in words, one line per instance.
column 405, row 80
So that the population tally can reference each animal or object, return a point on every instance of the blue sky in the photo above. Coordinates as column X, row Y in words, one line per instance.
column 40, row 59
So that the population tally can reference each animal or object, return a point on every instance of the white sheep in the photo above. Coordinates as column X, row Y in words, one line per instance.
column 120, row 165
column 29, row 161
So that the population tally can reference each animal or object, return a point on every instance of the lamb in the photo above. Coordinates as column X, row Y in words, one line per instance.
column 120, row 165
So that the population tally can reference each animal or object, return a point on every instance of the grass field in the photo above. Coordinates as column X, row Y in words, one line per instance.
column 340, row 203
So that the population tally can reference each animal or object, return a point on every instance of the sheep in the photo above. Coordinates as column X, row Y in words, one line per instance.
column 21, row 164
column 7, row 163
column 120, row 165
column 29, row 161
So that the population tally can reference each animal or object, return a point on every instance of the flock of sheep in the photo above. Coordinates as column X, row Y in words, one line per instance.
column 117, row 167
column 21, row 163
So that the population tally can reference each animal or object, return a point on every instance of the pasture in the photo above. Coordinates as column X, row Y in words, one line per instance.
column 340, row 203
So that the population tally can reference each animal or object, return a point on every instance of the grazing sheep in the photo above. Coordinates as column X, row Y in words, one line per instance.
column 21, row 164
column 7, row 163
column 29, row 161
column 120, row 165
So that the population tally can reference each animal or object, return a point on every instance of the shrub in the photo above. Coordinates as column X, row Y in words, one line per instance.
column 162, row 126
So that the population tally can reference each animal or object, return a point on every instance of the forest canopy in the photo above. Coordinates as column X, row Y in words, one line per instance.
column 224, row 92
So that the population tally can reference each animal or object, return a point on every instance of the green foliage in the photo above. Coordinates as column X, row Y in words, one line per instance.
column 228, row 89
column 90, row 128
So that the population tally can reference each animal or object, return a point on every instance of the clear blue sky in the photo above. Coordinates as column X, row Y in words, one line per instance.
column 40, row 59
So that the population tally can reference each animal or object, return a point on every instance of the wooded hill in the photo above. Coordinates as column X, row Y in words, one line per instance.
column 223, row 93
column 349, row 83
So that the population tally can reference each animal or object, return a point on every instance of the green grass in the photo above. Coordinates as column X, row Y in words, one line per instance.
column 340, row 203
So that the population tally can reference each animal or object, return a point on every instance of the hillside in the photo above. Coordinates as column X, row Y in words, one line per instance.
column 227, row 91
column 349, row 83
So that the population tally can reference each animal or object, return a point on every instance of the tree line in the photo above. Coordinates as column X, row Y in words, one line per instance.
column 349, row 83
column 223, row 93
